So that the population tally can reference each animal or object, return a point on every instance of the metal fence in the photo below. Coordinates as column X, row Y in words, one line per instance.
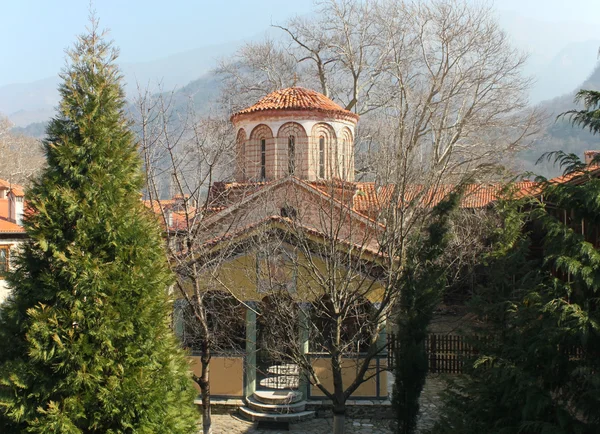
column 445, row 352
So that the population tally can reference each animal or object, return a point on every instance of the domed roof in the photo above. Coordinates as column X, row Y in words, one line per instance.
column 296, row 98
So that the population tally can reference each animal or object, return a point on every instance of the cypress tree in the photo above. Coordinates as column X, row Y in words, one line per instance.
column 422, row 286
column 85, row 343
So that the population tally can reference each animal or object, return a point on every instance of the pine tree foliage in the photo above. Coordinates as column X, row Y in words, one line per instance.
column 422, row 286
column 538, row 368
column 589, row 117
column 85, row 343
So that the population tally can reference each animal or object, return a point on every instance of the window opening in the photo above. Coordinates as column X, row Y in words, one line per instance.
column 321, row 157
column 263, row 159
column 291, row 155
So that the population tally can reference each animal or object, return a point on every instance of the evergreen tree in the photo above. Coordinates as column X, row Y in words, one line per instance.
column 589, row 117
column 422, row 286
column 538, row 367
column 85, row 343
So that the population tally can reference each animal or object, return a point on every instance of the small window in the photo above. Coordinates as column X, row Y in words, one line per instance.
column 343, row 160
column 288, row 212
column 4, row 261
column 243, row 160
column 321, row 157
column 291, row 155
column 263, row 159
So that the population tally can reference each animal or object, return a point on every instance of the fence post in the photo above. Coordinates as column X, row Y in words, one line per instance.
column 432, row 354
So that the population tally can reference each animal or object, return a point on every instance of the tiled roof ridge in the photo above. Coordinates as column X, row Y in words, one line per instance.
column 296, row 98
column 279, row 219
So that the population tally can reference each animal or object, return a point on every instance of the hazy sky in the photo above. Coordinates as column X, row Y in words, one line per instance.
column 34, row 33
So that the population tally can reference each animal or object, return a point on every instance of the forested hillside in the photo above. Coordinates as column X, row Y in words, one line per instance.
column 558, row 132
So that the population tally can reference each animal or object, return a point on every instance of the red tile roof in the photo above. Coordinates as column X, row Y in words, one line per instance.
column 15, row 188
column 536, row 188
column 10, row 227
column 289, row 224
column 296, row 98
column 370, row 198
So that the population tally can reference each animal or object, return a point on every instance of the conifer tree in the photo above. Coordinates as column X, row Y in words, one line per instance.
column 422, row 287
column 85, row 343
column 538, row 367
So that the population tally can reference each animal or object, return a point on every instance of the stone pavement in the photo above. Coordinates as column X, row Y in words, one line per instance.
column 232, row 424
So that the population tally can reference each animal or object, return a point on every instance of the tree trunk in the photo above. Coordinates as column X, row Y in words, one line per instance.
column 205, row 390
column 339, row 418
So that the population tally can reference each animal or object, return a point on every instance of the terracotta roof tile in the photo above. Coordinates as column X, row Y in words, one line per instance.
column 15, row 188
column 10, row 227
column 370, row 198
column 296, row 98
column 293, row 225
column 536, row 188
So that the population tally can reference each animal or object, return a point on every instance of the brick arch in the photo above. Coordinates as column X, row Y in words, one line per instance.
column 254, row 154
column 240, row 143
column 292, row 150
column 345, row 157
column 324, row 142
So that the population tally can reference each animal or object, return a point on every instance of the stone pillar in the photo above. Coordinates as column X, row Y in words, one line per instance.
column 250, row 363
column 303, row 342
column 382, row 343
column 382, row 338
column 178, row 306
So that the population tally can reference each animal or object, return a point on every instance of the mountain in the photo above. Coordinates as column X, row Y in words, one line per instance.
column 36, row 130
column 565, row 71
column 26, row 103
column 558, row 133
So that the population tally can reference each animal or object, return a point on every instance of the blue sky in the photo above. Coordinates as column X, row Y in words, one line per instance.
column 36, row 32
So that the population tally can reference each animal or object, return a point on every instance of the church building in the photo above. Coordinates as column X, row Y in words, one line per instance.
column 295, row 225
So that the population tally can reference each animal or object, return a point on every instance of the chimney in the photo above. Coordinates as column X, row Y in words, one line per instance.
column 589, row 156
column 15, row 207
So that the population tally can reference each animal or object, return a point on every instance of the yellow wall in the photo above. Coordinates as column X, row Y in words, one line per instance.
column 350, row 366
column 226, row 375
column 239, row 276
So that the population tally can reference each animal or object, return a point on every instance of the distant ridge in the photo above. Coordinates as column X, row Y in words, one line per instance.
column 26, row 103
column 559, row 134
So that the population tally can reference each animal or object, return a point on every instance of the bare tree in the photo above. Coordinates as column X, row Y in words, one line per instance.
column 444, row 101
column 441, row 74
column 183, row 155
column 22, row 156
column 337, row 50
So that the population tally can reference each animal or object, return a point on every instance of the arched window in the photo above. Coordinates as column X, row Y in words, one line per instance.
column 257, row 157
column 346, row 161
column 323, row 160
column 291, row 155
column 292, row 145
column 322, row 157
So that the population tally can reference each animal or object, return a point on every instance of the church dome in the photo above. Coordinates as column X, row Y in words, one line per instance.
column 296, row 99
column 294, row 132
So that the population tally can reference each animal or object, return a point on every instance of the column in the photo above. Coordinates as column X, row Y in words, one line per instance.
column 303, row 342
column 382, row 341
column 250, row 363
column 178, row 306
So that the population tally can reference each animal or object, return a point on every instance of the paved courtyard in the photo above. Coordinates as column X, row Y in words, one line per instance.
column 232, row 424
